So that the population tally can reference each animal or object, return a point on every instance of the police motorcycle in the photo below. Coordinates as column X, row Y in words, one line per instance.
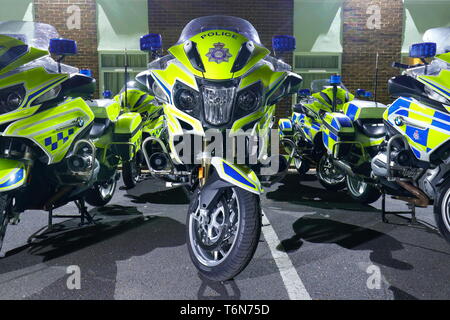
column 54, row 140
column 337, row 133
column 414, row 163
column 218, row 87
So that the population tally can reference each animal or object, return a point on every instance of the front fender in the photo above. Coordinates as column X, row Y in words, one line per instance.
column 13, row 174
column 237, row 175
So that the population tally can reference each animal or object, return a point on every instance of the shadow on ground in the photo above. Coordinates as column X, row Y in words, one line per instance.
column 293, row 191
column 122, row 233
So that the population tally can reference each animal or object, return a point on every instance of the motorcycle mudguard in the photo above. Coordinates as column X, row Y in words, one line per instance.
column 237, row 175
column 13, row 174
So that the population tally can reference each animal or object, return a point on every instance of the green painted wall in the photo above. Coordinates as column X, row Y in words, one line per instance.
column 421, row 15
column 318, row 25
column 121, row 23
column 16, row 10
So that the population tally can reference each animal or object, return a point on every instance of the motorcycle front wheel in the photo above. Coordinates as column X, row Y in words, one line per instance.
column 442, row 211
column 5, row 216
column 131, row 171
column 222, row 241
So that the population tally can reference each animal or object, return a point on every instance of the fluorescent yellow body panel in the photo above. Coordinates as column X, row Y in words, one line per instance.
column 440, row 83
column 105, row 109
column 13, row 174
column 207, row 41
column 36, row 82
column 55, row 129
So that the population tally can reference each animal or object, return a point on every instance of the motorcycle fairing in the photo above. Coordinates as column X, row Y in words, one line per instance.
column 237, row 175
column 36, row 82
column 425, row 128
column 54, row 130
column 13, row 174
column 439, row 83
column 218, row 51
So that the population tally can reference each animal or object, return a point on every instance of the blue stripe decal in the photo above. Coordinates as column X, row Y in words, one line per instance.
column 416, row 152
column 31, row 97
column 442, row 116
column 333, row 136
column 440, row 125
column 351, row 111
column 334, row 124
column 165, row 89
column 437, row 87
column 18, row 176
column 316, row 127
column 236, row 175
column 345, row 122
column 399, row 103
column 417, row 135
column 325, row 139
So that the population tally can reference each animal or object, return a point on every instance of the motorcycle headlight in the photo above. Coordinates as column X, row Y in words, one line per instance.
column 185, row 98
column 218, row 104
column 248, row 99
column 11, row 98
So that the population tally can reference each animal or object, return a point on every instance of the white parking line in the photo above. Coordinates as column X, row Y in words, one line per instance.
column 294, row 285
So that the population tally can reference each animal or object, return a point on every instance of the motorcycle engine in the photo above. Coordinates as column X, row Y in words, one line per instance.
column 402, row 165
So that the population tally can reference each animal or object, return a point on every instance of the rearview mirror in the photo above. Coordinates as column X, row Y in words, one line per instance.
column 283, row 43
column 423, row 50
column 63, row 47
column 151, row 42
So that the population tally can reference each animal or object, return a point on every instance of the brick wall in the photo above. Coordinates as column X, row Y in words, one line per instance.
column 54, row 12
column 269, row 17
column 361, row 44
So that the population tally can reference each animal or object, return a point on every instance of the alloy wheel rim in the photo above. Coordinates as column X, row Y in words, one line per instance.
column 445, row 208
column 356, row 186
column 215, row 231
column 329, row 173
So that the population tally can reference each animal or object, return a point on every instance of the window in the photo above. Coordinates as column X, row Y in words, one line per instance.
column 312, row 66
column 112, row 69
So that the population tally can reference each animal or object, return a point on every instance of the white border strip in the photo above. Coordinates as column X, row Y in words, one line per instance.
column 292, row 282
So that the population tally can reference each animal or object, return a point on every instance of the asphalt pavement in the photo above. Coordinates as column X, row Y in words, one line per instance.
column 315, row 244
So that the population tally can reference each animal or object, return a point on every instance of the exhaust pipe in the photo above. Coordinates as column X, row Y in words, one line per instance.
column 420, row 200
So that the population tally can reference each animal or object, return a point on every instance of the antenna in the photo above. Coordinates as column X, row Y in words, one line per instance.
column 375, row 86
column 126, row 78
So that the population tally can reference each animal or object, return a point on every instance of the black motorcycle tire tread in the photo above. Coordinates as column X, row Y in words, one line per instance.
column 4, row 199
column 438, row 213
column 370, row 195
column 246, row 245
column 127, row 173
column 95, row 199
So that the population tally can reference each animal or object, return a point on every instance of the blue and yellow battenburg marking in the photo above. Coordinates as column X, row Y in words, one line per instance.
column 426, row 129
column 58, row 140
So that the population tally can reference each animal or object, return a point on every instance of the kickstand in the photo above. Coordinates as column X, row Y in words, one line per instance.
column 83, row 215
column 384, row 213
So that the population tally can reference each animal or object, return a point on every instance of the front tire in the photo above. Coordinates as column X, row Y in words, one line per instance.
column 131, row 171
column 361, row 191
column 442, row 211
column 5, row 216
column 222, row 242
column 101, row 194
column 330, row 177
column 302, row 166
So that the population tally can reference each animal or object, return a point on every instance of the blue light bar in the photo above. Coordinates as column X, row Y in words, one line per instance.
column 151, row 42
column 63, row 47
column 361, row 93
column 369, row 95
column 283, row 43
column 335, row 79
column 423, row 50
column 107, row 94
column 86, row 72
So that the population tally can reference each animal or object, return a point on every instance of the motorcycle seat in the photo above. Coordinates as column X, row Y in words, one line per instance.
column 99, row 128
column 372, row 128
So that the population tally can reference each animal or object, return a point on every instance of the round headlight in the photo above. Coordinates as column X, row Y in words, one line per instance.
column 247, row 100
column 186, row 100
column 13, row 100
